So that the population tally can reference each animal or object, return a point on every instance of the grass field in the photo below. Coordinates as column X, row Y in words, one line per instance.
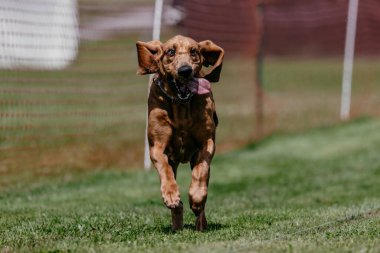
column 317, row 191
column 71, row 149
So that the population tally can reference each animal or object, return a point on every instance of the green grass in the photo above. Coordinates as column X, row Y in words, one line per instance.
column 317, row 191
column 303, row 93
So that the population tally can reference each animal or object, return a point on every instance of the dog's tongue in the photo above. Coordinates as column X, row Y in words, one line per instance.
column 199, row 86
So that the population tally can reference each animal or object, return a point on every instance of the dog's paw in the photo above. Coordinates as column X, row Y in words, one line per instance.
column 170, row 195
column 197, row 198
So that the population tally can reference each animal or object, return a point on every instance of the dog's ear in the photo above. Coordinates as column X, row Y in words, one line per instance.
column 149, row 55
column 212, row 56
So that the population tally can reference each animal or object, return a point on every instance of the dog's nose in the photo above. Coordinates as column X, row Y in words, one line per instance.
column 185, row 71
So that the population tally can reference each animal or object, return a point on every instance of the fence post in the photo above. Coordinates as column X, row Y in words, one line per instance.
column 156, row 36
column 259, row 95
column 349, row 51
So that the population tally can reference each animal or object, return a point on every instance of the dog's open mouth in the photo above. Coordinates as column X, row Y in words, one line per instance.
column 186, row 89
column 183, row 91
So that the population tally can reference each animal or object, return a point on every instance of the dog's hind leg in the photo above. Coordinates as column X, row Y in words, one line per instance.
column 200, row 221
column 177, row 217
column 177, row 212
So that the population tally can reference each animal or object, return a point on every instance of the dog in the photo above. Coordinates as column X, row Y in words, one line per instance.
column 181, row 116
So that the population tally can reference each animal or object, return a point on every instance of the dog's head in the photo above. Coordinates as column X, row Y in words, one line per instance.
column 181, row 59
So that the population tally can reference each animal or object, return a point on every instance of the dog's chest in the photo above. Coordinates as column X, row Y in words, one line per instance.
column 182, row 117
column 183, row 144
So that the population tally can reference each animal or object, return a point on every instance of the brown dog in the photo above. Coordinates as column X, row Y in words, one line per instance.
column 181, row 116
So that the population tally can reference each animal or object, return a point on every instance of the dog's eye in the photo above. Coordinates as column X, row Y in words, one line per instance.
column 193, row 52
column 170, row 52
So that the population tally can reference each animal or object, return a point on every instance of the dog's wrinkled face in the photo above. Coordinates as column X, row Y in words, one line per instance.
column 180, row 58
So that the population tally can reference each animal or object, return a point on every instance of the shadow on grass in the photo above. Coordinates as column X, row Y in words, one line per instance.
column 211, row 227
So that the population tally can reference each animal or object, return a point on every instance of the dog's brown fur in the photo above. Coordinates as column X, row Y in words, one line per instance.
column 180, row 133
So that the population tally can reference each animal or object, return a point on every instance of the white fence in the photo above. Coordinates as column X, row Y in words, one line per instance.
column 38, row 34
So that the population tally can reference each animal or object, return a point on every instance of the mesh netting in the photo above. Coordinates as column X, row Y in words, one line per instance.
column 69, row 96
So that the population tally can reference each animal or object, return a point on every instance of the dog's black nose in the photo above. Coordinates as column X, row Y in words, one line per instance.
column 185, row 71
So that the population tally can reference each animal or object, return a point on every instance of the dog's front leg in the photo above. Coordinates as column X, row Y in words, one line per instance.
column 199, row 183
column 159, row 134
column 169, row 188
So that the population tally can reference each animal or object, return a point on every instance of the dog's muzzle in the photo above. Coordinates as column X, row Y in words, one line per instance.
column 185, row 71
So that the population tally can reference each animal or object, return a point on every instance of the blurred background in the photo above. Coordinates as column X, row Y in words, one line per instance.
column 70, row 98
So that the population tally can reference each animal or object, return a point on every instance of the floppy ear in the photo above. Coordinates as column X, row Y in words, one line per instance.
column 149, row 55
column 212, row 56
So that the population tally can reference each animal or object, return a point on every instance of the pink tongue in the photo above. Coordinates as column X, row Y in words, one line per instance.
column 199, row 86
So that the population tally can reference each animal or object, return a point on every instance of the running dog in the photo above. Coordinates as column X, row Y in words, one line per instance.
column 181, row 116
